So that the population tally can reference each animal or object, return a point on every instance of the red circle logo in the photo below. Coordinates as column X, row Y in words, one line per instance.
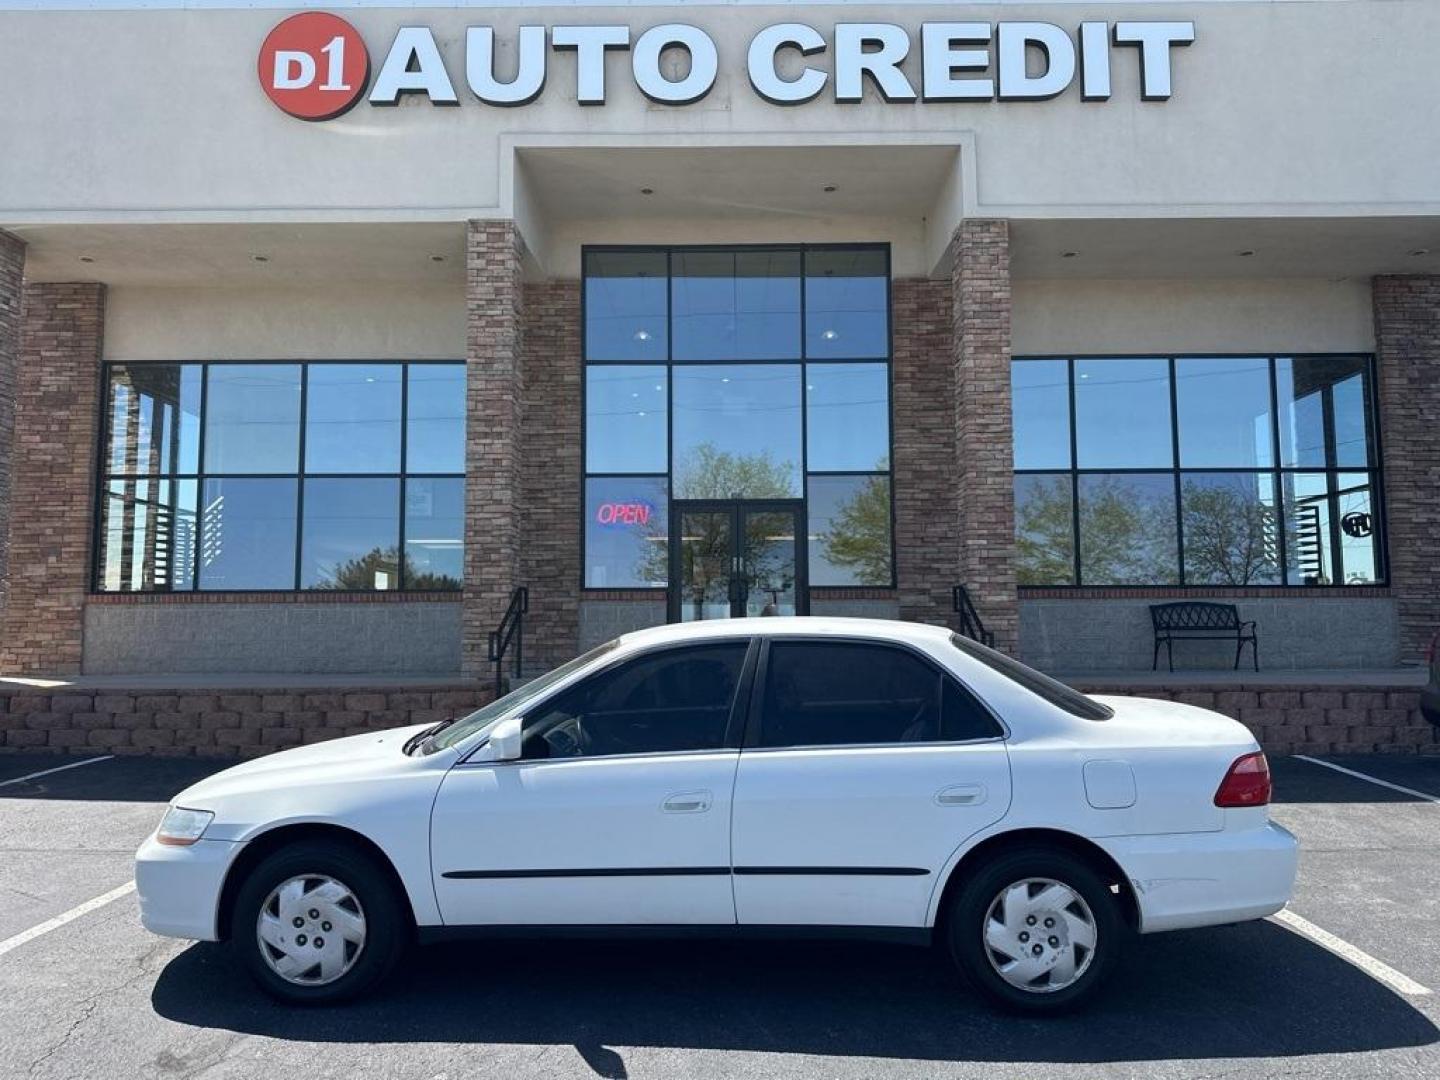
column 314, row 66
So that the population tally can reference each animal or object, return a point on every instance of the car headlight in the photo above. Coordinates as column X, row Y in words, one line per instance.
column 181, row 827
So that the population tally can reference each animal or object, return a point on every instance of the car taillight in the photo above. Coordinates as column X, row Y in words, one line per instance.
column 1247, row 783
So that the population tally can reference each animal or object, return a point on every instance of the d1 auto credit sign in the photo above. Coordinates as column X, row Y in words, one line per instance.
column 314, row 66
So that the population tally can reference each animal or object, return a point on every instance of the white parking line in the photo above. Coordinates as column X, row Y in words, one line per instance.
column 58, row 768
column 1372, row 779
column 1376, row 969
column 65, row 917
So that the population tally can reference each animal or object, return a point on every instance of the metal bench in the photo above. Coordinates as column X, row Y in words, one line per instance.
column 1194, row 621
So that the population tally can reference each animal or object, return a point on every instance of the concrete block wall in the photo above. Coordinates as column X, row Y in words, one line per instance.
column 12, row 284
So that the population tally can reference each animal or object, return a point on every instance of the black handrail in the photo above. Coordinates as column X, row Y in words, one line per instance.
column 970, row 624
column 510, row 631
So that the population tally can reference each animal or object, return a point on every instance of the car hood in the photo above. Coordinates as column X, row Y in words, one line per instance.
column 325, row 781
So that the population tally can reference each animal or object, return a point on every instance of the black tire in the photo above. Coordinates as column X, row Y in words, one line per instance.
column 386, row 919
column 970, row 908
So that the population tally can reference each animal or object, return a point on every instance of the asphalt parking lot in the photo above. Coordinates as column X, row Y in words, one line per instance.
column 95, row 995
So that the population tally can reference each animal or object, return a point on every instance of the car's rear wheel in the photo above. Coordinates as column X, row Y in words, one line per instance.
column 317, row 923
column 1036, row 931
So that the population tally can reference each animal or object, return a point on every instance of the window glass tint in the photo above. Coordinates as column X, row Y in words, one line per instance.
column 1127, row 529
column 434, row 531
column 962, row 716
column 735, row 305
column 1122, row 414
column 849, row 535
column 1232, row 528
column 626, row 306
column 1355, row 517
column 351, row 537
column 252, row 418
column 626, row 533
column 847, row 312
column 154, row 418
column 1224, row 412
column 847, row 410
column 837, row 693
column 352, row 418
column 672, row 701
column 737, row 431
column 1044, row 529
column 147, row 536
column 1309, row 548
column 435, row 427
column 1040, row 391
column 247, row 534
column 626, row 419
column 1039, row 684
column 1318, row 390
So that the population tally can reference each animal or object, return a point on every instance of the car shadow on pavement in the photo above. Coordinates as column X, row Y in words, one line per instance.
column 1247, row 991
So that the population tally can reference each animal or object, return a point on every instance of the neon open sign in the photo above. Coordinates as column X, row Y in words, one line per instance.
column 624, row 513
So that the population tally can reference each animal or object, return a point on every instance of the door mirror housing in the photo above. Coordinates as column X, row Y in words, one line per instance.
column 507, row 739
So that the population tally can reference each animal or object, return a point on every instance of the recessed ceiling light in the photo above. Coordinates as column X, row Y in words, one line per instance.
column 87, row 258
column 1246, row 253
column 647, row 191
column 260, row 258
column 1069, row 254
column 830, row 335
column 437, row 258
column 642, row 335
column 1417, row 252
column 830, row 189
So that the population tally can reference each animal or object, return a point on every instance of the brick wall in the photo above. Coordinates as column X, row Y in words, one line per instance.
column 1323, row 720
column 922, row 386
column 985, row 505
column 1407, row 338
column 550, row 481
column 218, row 722
column 12, row 283
column 494, row 420
column 52, row 493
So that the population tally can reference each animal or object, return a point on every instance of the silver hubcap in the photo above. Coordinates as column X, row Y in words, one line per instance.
column 1039, row 935
column 311, row 930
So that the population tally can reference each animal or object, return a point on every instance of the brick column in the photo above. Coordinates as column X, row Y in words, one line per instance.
column 494, row 411
column 927, row 556
column 985, row 508
column 550, row 560
column 1407, row 343
column 12, row 283
column 53, row 485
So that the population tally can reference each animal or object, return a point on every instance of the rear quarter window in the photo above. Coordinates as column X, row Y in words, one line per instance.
column 1043, row 686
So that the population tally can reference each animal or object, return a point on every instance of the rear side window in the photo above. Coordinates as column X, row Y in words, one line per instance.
column 678, row 699
column 1056, row 693
column 848, row 693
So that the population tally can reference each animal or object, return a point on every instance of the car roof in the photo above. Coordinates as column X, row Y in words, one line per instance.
column 788, row 626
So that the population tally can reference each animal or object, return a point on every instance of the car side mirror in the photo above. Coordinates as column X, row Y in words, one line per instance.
column 507, row 739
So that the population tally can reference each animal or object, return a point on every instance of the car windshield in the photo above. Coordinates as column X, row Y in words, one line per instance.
column 1056, row 693
column 485, row 716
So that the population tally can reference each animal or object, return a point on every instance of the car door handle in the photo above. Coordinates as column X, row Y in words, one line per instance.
column 961, row 795
column 688, row 802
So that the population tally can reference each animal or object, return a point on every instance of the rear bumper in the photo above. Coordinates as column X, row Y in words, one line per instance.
column 1208, row 879
column 179, row 887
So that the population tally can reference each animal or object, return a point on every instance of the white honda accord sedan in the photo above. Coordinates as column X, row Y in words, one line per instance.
column 797, row 777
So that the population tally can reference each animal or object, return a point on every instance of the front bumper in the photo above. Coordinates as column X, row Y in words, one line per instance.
column 179, row 887
column 1208, row 879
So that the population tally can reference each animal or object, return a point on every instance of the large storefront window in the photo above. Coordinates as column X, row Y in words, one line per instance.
column 282, row 476
column 756, row 377
column 1205, row 471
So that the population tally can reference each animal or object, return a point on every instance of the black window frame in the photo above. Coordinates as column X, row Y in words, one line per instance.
column 754, row 728
column 1276, row 471
column 670, row 364
column 735, row 727
column 104, row 476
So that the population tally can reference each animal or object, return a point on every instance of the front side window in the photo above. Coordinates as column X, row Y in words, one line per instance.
column 840, row 693
column 720, row 374
column 666, row 702
column 1223, row 471
column 281, row 476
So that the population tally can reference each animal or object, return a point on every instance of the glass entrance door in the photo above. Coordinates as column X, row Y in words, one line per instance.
column 734, row 559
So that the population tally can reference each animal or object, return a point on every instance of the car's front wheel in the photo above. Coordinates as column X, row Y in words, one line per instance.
column 317, row 923
column 1036, row 931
